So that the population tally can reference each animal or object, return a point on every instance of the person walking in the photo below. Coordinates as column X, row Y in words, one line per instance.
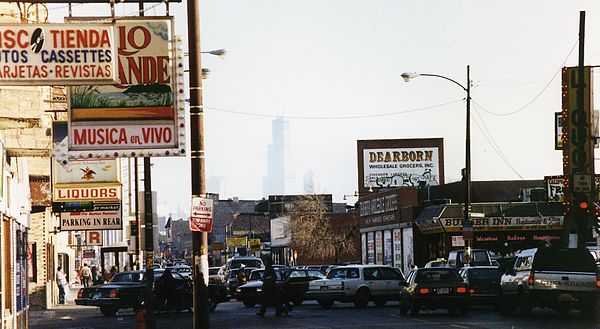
column 86, row 275
column 62, row 285
column 270, row 294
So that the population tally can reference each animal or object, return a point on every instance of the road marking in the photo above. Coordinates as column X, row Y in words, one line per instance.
column 458, row 326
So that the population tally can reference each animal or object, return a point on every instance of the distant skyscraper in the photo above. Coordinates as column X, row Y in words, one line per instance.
column 216, row 184
column 274, row 182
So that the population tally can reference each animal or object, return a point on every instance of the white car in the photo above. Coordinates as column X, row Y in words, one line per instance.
column 359, row 284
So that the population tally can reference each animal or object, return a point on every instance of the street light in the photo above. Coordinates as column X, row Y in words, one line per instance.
column 467, row 225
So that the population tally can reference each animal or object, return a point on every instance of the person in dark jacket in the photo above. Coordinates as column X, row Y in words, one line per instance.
column 270, row 295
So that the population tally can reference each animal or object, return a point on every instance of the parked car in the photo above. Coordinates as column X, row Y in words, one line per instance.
column 126, row 289
column 213, row 275
column 484, row 284
column 232, row 281
column 554, row 278
column 184, row 270
column 440, row 262
column 359, row 284
column 479, row 257
column 293, row 282
column 434, row 288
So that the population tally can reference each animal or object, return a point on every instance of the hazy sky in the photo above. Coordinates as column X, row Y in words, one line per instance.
column 312, row 59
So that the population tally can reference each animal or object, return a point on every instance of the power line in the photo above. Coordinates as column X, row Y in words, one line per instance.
column 536, row 96
column 364, row 116
column 493, row 143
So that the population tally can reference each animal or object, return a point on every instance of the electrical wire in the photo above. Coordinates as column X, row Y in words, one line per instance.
column 538, row 94
column 364, row 116
column 490, row 138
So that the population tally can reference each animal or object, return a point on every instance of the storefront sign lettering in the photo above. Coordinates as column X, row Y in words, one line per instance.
column 506, row 223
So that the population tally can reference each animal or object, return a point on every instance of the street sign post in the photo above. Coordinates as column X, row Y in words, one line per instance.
column 201, row 216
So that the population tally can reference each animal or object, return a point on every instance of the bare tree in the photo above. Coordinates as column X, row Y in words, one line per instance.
column 314, row 235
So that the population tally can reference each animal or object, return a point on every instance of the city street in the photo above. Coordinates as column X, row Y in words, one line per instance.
column 310, row 315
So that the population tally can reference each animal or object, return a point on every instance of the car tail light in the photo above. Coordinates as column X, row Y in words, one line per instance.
column 598, row 280
column 424, row 291
column 531, row 279
column 461, row 290
column 80, row 293
column 112, row 294
column 471, row 291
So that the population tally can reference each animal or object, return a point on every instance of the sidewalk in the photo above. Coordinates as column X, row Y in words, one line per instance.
column 71, row 294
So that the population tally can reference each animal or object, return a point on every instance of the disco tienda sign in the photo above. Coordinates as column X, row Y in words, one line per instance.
column 57, row 54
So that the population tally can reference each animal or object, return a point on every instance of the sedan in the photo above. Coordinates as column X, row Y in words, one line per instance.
column 484, row 283
column 293, row 284
column 433, row 288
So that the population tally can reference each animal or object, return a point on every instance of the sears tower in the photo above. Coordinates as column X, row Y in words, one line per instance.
column 274, row 182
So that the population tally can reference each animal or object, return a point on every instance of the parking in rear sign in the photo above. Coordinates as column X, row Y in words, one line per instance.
column 201, row 216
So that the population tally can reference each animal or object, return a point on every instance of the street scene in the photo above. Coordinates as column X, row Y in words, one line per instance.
column 299, row 164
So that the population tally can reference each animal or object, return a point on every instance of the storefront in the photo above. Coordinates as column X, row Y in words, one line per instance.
column 386, row 227
column 502, row 228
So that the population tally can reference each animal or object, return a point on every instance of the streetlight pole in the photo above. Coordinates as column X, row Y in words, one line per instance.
column 467, row 224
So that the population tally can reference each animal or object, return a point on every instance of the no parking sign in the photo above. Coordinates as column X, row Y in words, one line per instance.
column 201, row 216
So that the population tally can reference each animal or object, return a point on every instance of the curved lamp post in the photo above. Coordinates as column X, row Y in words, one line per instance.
column 467, row 224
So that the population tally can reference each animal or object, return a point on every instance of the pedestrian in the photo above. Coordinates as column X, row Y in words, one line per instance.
column 270, row 295
column 94, row 275
column 241, row 276
column 62, row 285
column 86, row 275
column 113, row 271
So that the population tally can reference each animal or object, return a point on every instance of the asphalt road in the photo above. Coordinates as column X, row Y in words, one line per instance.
column 309, row 315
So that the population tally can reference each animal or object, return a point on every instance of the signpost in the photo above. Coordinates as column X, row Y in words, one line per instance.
column 201, row 217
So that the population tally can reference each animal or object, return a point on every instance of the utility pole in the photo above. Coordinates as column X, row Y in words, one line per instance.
column 199, row 239
column 149, row 232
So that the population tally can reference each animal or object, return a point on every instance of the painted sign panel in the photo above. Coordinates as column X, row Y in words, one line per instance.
column 93, row 193
column 506, row 223
column 57, row 54
column 93, row 238
column 95, row 220
column 87, row 171
column 554, row 186
column 201, row 217
column 396, row 167
column 236, row 241
column 143, row 113
column 558, row 131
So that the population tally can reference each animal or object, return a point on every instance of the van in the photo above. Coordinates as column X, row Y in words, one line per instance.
column 479, row 257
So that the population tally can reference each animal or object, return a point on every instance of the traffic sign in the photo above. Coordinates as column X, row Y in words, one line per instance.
column 201, row 217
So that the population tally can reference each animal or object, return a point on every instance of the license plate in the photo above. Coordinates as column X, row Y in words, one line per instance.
column 324, row 287
column 441, row 291
column 565, row 297
column 97, row 295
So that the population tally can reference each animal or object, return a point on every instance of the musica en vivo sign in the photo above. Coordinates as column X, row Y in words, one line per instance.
column 57, row 54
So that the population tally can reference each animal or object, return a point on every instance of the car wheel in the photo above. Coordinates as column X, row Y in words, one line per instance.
column 326, row 303
column 588, row 309
column 414, row 309
column 212, row 303
column 362, row 298
column 108, row 310
column 524, row 304
column 464, row 310
column 380, row 302
column 404, row 306
column 249, row 303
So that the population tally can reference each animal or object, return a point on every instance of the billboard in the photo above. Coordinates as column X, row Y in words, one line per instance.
column 143, row 113
column 400, row 162
column 57, row 54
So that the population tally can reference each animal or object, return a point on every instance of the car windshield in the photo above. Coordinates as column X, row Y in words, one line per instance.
column 257, row 275
column 126, row 277
column 568, row 260
column 435, row 275
column 485, row 274
column 237, row 263
column 343, row 273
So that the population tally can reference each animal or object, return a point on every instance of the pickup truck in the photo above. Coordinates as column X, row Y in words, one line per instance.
column 560, row 279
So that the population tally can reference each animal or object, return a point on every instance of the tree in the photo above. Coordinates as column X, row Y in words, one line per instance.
column 315, row 236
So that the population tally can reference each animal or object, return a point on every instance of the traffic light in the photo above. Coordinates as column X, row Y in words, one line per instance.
column 583, row 205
